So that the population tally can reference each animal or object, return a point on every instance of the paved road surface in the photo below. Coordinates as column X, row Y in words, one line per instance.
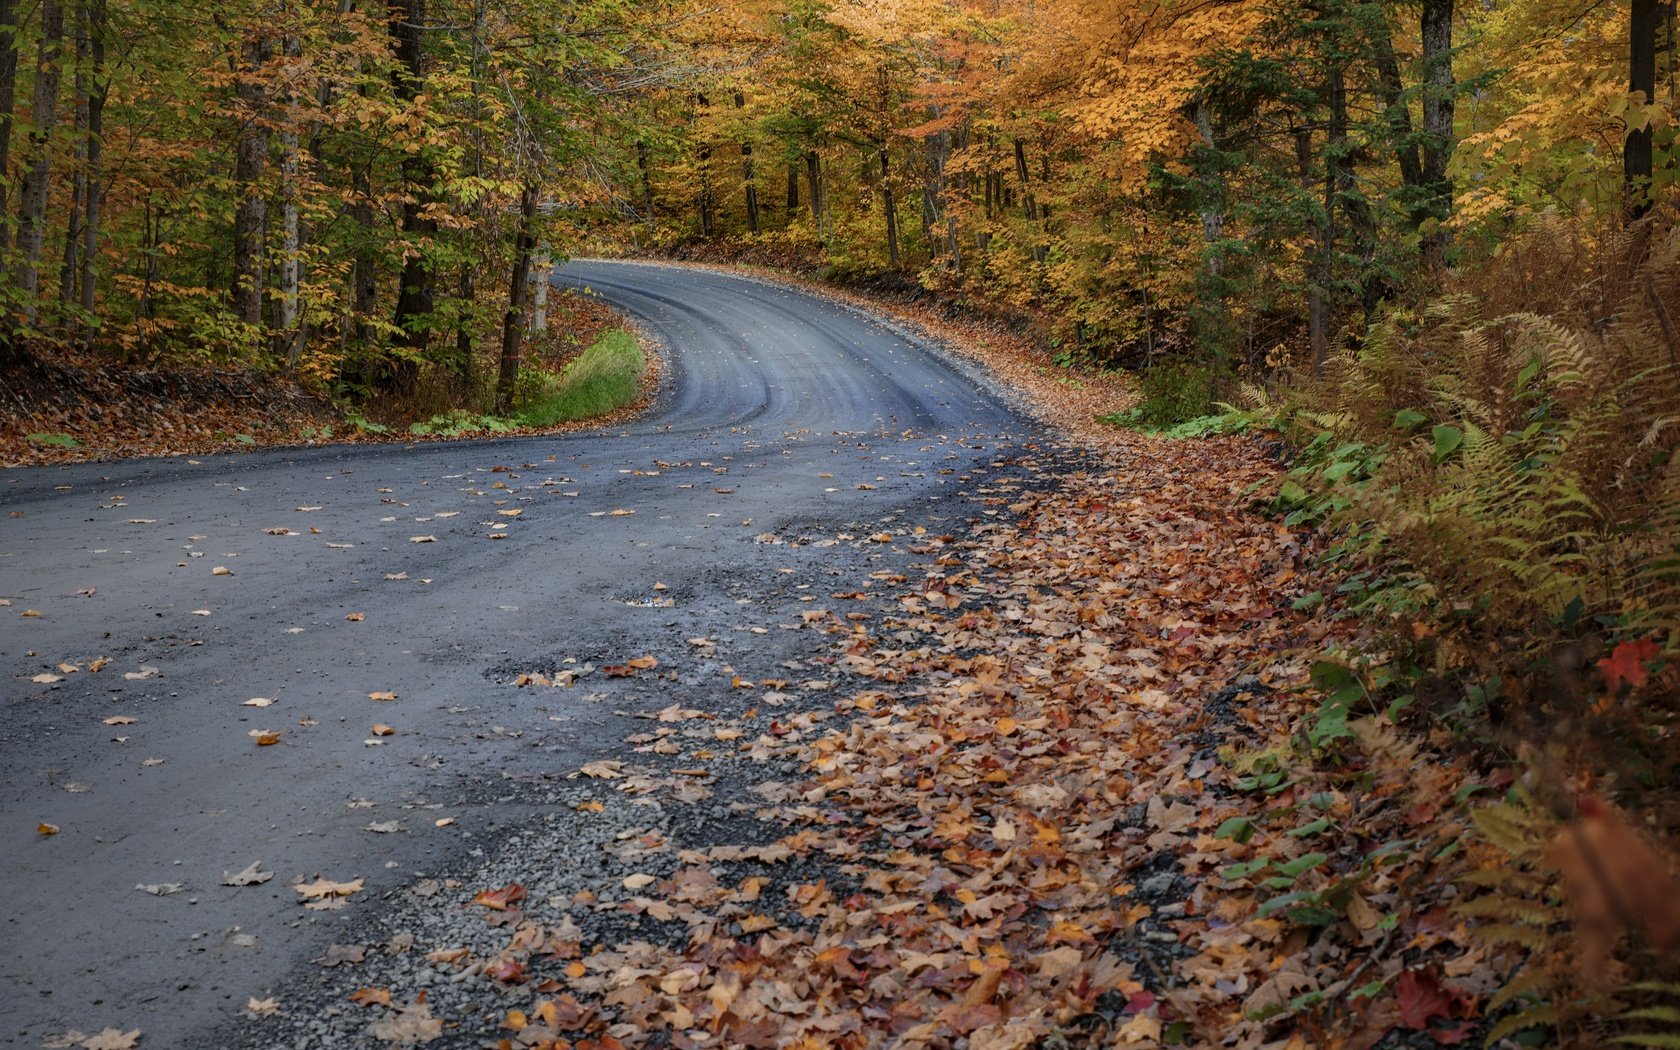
column 778, row 407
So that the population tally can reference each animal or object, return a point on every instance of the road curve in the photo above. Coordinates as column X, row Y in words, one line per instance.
column 784, row 414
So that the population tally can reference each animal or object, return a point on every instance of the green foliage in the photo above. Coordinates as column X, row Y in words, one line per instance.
column 460, row 423
column 1229, row 421
column 1494, row 475
column 605, row 377
column 1176, row 399
column 54, row 440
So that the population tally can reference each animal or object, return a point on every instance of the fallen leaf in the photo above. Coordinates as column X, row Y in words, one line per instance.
column 29, row 614
column 355, row 617
column 443, row 822
column 119, row 720
column 381, row 729
column 422, row 539
column 502, row 899
column 413, row 1023
column 371, row 997
column 221, row 570
column 323, row 888
column 44, row 828
column 637, row 881
column 1626, row 664
column 250, row 876
column 258, row 701
column 47, row 679
column 265, row 737
column 602, row 769
column 339, row 954
column 385, row 827
column 112, row 1039
column 262, row 1007
column 382, row 696
column 160, row 889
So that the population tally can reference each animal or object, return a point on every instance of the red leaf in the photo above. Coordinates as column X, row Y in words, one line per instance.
column 1626, row 663
column 1421, row 999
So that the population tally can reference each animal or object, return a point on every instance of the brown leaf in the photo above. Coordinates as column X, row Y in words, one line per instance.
column 112, row 1039
column 250, row 876
column 413, row 1023
column 1615, row 880
column 323, row 888
column 501, row 899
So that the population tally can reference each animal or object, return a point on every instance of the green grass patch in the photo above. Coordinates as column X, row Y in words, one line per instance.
column 53, row 440
column 605, row 377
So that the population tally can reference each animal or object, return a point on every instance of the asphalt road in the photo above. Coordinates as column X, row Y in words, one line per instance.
column 784, row 417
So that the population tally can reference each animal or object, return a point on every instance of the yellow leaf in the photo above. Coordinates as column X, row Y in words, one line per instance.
column 44, row 828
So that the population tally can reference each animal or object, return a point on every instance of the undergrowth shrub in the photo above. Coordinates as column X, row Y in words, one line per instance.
column 1497, row 473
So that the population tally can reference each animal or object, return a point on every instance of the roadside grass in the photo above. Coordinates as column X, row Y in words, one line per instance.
column 602, row 379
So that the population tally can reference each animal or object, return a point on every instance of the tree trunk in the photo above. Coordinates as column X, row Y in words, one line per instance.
column 748, row 175
column 890, row 205
column 1438, row 92
column 363, row 289
column 542, row 268
column 251, row 157
column 287, row 344
column 70, row 268
column 513, row 322
column 1395, row 110
column 9, row 27
column 1210, row 317
column 814, row 188
column 32, row 207
column 643, row 168
column 1029, row 203
column 417, row 292
column 1318, row 327
column 1642, row 81
column 792, row 189
column 99, row 88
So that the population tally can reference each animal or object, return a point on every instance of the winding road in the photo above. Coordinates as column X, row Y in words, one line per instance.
column 312, row 578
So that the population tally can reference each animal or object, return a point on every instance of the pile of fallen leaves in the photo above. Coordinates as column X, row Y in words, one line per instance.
column 1069, row 807
column 72, row 408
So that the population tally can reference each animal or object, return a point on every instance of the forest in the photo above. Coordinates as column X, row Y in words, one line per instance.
column 1428, row 248
column 358, row 193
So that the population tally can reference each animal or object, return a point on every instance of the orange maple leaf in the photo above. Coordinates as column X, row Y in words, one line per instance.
column 1626, row 663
